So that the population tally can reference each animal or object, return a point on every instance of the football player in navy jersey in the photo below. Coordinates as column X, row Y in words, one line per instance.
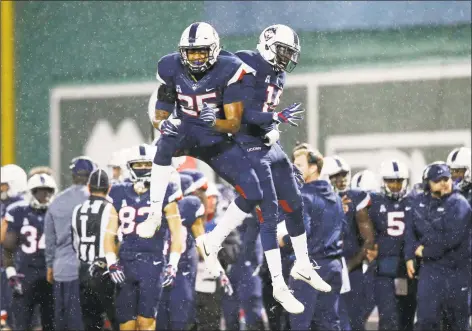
column 13, row 185
column 27, row 273
column 358, row 237
column 395, row 294
column 177, row 305
column 277, row 53
column 141, row 269
column 205, row 87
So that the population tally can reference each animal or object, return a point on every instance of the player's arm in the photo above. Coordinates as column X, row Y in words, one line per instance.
column 366, row 230
column 3, row 230
column 174, row 221
column 198, row 229
column 10, row 245
column 109, row 242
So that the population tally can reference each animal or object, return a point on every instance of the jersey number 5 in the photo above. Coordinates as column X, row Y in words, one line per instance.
column 396, row 226
column 32, row 238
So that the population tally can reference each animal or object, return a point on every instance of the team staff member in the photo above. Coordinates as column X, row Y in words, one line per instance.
column 89, row 223
column 61, row 260
column 324, row 223
column 437, row 230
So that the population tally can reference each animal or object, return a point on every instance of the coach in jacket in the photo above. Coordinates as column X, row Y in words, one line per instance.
column 437, row 228
column 324, row 223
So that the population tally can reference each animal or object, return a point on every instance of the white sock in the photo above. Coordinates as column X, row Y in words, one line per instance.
column 274, row 262
column 300, row 248
column 231, row 219
column 160, row 176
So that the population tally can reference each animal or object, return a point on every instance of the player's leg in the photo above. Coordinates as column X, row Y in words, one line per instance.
column 457, row 301
column 354, row 300
column 160, row 176
column 386, row 303
column 163, row 310
column 430, row 296
column 46, row 301
column 407, row 306
column 149, row 278
column 251, row 298
column 182, row 302
column 229, row 162
column 92, row 308
column 307, row 296
column 230, row 304
column 127, row 297
column 23, row 305
column 291, row 202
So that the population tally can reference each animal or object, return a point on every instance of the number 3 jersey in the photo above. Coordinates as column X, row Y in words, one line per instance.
column 28, row 224
column 132, row 209
column 221, row 84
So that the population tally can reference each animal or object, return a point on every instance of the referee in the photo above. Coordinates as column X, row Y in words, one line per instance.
column 89, row 223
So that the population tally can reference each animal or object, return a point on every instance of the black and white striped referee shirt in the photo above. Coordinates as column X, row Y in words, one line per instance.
column 89, row 224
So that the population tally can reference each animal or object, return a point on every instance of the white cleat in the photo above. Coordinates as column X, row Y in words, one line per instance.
column 285, row 297
column 210, row 254
column 148, row 228
column 309, row 275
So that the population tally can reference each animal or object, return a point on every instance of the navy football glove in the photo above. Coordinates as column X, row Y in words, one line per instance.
column 290, row 114
column 116, row 273
column 169, row 275
column 208, row 115
column 170, row 127
column 225, row 284
column 15, row 283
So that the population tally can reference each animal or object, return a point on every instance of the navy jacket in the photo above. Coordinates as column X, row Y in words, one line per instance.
column 324, row 220
column 442, row 226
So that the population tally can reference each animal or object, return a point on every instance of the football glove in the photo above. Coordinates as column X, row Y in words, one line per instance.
column 15, row 284
column 290, row 114
column 116, row 273
column 98, row 267
column 170, row 127
column 170, row 273
column 225, row 284
column 208, row 115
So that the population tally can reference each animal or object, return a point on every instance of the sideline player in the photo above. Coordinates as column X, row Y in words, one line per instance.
column 25, row 231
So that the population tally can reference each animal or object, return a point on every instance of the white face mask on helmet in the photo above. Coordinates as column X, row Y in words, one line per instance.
column 199, row 36
column 38, row 182
column 16, row 179
column 460, row 158
column 280, row 46
column 394, row 169
column 140, row 154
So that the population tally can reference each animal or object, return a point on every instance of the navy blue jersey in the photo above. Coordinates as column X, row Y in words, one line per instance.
column 388, row 218
column 268, row 87
column 28, row 224
column 324, row 220
column 220, row 85
column 191, row 208
column 352, row 240
column 4, row 204
column 467, row 193
column 133, row 209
